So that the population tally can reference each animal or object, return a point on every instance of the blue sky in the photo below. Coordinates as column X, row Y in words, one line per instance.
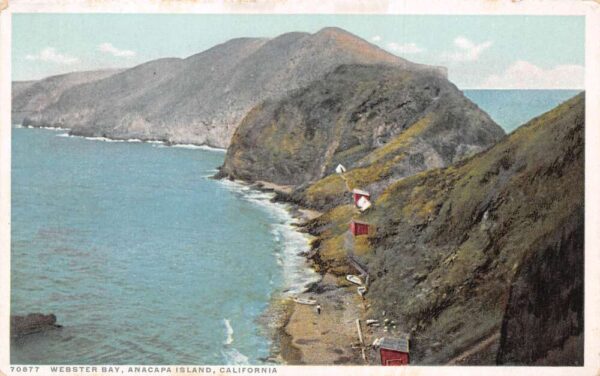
column 479, row 51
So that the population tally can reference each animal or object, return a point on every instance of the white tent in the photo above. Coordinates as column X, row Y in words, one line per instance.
column 363, row 203
column 340, row 169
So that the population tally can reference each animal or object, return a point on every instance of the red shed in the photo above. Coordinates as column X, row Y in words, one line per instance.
column 358, row 193
column 359, row 228
column 394, row 351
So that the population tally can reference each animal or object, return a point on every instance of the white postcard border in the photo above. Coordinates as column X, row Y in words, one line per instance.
column 590, row 9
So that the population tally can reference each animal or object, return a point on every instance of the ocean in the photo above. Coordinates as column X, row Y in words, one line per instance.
column 512, row 108
column 141, row 255
column 145, row 259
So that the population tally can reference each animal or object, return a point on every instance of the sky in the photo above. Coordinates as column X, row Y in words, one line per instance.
column 485, row 52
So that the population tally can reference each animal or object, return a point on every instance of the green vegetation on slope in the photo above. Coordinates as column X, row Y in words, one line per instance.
column 382, row 122
column 450, row 243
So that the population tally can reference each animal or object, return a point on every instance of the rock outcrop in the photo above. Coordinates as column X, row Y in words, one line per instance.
column 379, row 121
column 201, row 99
column 487, row 250
column 32, row 323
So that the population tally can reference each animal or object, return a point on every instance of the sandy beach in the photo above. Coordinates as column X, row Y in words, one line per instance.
column 303, row 336
column 329, row 337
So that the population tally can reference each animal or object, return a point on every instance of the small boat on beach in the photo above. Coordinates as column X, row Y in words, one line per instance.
column 305, row 301
column 354, row 279
column 361, row 290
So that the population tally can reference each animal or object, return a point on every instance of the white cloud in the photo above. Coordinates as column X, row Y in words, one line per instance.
column 525, row 75
column 405, row 48
column 50, row 54
column 376, row 38
column 110, row 49
column 466, row 50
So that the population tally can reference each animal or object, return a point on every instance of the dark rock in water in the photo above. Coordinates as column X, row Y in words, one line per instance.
column 32, row 323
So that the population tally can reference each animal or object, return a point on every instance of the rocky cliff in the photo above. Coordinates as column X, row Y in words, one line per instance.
column 381, row 122
column 543, row 322
column 201, row 99
column 486, row 251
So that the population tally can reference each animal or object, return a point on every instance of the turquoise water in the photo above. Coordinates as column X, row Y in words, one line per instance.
column 512, row 108
column 142, row 257
column 145, row 260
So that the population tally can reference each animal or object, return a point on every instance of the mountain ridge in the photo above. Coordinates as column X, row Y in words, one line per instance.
column 201, row 99
column 32, row 96
column 381, row 122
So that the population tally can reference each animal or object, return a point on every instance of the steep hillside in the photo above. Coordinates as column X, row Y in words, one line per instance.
column 384, row 122
column 31, row 97
column 202, row 99
column 487, row 249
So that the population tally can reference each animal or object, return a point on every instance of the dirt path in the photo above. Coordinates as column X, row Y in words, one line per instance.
column 346, row 181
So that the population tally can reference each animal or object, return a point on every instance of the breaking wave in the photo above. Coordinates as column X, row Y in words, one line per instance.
column 293, row 245
column 234, row 357
column 155, row 143
column 192, row 146
column 105, row 139
column 229, row 330
column 49, row 128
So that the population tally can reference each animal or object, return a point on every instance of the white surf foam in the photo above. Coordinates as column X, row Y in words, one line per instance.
column 234, row 357
column 297, row 273
column 229, row 331
column 201, row 147
column 155, row 143
column 234, row 186
column 55, row 128
column 103, row 139
column 48, row 128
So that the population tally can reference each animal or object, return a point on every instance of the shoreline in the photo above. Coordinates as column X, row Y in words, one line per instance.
column 298, row 334
column 284, row 320
column 303, row 336
column 163, row 143
column 328, row 338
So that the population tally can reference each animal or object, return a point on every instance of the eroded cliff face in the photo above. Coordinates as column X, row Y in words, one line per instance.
column 381, row 122
column 489, row 249
column 202, row 99
column 543, row 322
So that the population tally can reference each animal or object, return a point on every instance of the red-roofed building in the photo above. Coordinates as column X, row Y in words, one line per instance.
column 394, row 351
column 358, row 228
